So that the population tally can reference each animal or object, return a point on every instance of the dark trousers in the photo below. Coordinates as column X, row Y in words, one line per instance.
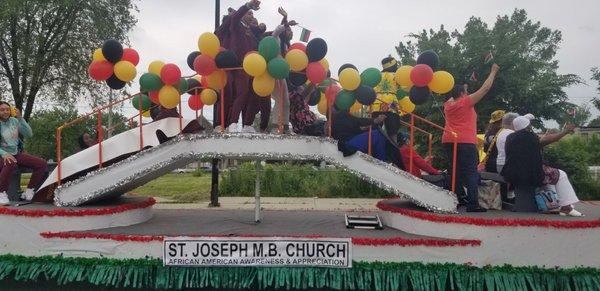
column 255, row 105
column 36, row 164
column 241, row 95
column 466, row 171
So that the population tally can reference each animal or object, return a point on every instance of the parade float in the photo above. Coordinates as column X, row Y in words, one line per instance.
column 86, row 229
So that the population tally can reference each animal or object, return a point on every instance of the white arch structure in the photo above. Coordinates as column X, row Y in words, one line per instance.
column 149, row 164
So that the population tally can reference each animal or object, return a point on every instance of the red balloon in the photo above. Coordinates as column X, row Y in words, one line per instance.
column 170, row 74
column 316, row 73
column 204, row 65
column 330, row 92
column 100, row 70
column 154, row 96
column 299, row 46
column 131, row 56
column 195, row 103
column 421, row 75
column 204, row 82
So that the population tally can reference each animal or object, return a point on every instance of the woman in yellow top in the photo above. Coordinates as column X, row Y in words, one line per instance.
column 386, row 102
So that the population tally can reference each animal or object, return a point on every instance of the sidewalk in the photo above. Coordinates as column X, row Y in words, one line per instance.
column 278, row 203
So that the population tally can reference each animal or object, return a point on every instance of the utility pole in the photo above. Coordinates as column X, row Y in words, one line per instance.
column 214, row 187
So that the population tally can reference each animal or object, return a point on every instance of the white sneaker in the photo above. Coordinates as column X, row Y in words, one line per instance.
column 248, row 129
column 232, row 127
column 4, row 199
column 28, row 194
column 217, row 129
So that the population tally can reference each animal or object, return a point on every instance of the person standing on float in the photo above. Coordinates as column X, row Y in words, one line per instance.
column 386, row 102
column 237, row 36
column 461, row 118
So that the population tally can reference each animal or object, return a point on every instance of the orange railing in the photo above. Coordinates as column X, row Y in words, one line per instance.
column 412, row 127
column 100, row 132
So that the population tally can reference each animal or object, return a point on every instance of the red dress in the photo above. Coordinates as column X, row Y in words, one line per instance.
column 418, row 163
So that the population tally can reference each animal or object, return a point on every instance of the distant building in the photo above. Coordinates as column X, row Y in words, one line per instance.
column 586, row 131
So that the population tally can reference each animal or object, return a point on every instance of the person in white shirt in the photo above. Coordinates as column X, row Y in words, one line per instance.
column 507, row 128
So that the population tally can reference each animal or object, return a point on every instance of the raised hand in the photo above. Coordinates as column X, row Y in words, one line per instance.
column 292, row 23
column 495, row 68
column 282, row 12
column 254, row 4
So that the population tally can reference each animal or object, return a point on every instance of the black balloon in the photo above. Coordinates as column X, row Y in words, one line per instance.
column 345, row 66
column 227, row 59
column 315, row 97
column 365, row 95
column 297, row 79
column 316, row 49
column 429, row 58
column 419, row 95
column 112, row 50
column 191, row 57
column 193, row 83
column 114, row 83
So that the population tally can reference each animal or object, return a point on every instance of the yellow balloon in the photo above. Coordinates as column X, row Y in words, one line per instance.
column 406, row 105
column 442, row 82
column 349, row 79
column 322, row 106
column 209, row 44
column 217, row 80
column 97, row 55
column 254, row 64
column 325, row 64
column 403, row 76
column 168, row 97
column 263, row 85
column 297, row 59
column 356, row 107
column 208, row 96
column 146, row 113
column 155, row 67
column 125, row 71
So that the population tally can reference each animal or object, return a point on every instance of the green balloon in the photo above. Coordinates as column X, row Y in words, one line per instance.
column 401, row 94
column 150, row 82
column 344, row 100
column 278, row 68
column 146, row 102
column 323, row 85
column 182, row 86
column 268, row 48
column 370, row 77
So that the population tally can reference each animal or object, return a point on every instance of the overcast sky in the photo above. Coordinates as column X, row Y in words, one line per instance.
column 362, row 32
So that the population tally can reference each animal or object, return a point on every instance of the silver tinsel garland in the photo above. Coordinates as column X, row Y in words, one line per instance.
column 253, row 156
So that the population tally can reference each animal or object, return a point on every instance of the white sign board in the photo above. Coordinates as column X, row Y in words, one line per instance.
column 266, row 252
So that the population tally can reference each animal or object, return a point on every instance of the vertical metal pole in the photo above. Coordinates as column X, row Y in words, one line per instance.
column 214, row 185
column 110, row 113
column 257, row 193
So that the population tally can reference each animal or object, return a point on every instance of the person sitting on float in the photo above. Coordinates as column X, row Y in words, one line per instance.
column 505, row 131
column 386, row 101
column 303, row 120
column 524, row 166
column 419, row 163
column 10, row 129
column 352, row 134
column 489, row 141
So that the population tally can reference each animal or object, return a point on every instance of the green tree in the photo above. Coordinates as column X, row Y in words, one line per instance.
column 45, row 46
column 44, row 123
column 525, row 50
column 596, row 101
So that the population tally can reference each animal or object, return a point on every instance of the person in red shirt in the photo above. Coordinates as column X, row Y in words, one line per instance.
column 419, row 163
column 461, row 119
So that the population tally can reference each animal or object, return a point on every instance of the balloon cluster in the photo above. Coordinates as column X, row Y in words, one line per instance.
column 163, row 84
column 200, row 93
column 358, row 89
column 266, row 66
column 114, row 64
column 211, row 59
column 424, row 78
